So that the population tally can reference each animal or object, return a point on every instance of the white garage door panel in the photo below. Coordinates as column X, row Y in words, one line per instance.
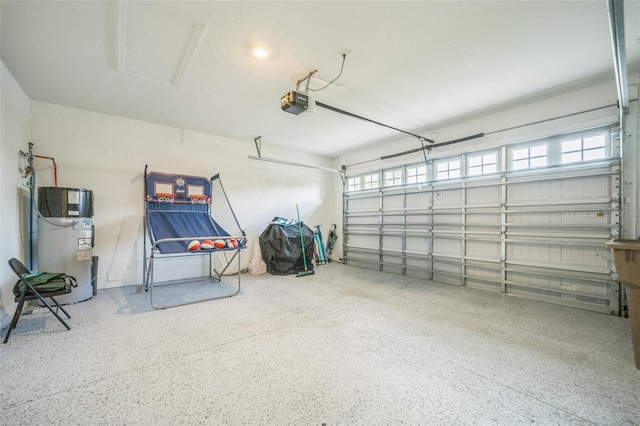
column 417, row 246
column 418, row 221
column 392, row 221
column 370, row 241
column 592, row 259
column 552, row 290
column 363, row 203
column 445, row 273
column 491, row 220
column 586, row 187
column 392, row 243
column 483, row 250
column 365, row 262
column 526, row 193
column 537, row 233
column 447, row 198
column 484, row 278
column 531, row 253
column 372, row 221
column 391, row 202
column 419, row 200
column 484, row 196
column 590, row 219
column 444, row 247
column 531, row 218
column 447, row 219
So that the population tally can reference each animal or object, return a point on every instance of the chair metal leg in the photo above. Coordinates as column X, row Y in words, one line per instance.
column 14, row 320
column 54, row 312
column 59, row 306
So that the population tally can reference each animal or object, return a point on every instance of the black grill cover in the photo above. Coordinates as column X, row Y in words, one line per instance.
column 281, row 247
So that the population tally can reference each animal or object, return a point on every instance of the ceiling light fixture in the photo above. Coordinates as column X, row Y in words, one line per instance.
column 260, row 52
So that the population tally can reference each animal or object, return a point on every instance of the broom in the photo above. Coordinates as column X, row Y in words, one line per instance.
column 304, row 255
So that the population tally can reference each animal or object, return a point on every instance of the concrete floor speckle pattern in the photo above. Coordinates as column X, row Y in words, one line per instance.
column 345, row 346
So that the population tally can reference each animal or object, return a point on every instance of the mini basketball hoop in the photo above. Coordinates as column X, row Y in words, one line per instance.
column 199, row 199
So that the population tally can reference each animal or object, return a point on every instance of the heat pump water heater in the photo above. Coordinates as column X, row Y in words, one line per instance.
column 65, row 237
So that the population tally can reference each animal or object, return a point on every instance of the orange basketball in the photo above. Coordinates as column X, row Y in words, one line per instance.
column 207, row 245
column 219, row 244
column 193, row 245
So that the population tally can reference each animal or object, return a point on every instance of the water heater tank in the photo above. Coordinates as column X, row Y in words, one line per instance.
column 65, row 202
column 65, row 237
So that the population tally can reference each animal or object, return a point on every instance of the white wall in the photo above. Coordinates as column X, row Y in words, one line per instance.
column 15, row 112
column 107, row 154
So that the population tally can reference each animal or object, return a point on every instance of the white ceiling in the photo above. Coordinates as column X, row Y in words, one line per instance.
column 412, row 64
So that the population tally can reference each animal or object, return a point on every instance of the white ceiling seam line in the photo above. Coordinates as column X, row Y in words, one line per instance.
column 197, row 32
column 122, row 34
column 190, row 51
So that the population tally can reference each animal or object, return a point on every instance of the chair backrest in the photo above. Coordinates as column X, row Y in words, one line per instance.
column 18, row 267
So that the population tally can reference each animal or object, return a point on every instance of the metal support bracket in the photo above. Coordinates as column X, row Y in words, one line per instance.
column 258, row 142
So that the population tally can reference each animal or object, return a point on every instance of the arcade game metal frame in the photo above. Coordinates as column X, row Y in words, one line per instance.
column 182, row 208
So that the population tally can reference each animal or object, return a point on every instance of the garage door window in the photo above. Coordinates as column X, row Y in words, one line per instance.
column 448, row 169
column 371, row 181
column 416, row 174
column 585, row 149
column 529, row 157
column 482, row 164
column 354, row 184
column 393, row 177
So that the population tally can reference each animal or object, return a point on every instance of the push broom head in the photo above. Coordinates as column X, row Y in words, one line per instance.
column 305, row 273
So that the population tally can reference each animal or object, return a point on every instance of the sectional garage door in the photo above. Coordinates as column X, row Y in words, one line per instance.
column 529, row 220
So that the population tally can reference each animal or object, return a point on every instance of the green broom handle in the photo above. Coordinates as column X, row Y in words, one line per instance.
column 304, row 255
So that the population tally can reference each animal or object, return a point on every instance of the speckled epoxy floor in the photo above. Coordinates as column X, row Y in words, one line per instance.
column 345, row 346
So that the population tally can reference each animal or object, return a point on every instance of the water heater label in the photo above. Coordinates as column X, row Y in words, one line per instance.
column 84, row 243
column 73, row 197
column 84, row 254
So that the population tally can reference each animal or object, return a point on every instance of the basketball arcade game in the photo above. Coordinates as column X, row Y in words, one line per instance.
column 189, row 216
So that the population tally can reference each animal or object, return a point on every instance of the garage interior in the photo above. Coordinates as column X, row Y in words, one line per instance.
column 475, row 159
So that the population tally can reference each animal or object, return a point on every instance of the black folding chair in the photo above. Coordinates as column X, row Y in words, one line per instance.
column 30, row 293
